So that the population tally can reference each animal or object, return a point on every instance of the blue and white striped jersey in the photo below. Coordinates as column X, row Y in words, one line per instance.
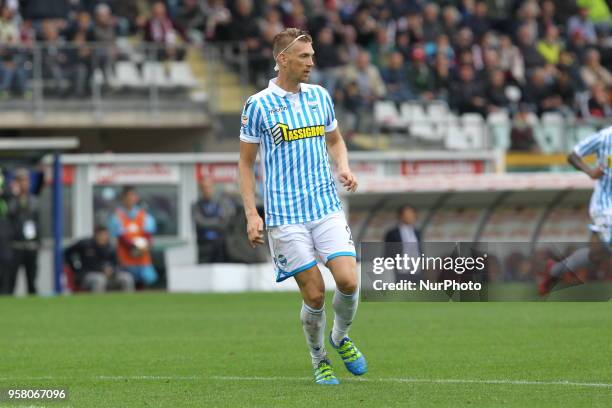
column 600, row 144
column 290, row 129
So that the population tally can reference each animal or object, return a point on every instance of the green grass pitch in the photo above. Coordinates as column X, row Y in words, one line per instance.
column 248, row 350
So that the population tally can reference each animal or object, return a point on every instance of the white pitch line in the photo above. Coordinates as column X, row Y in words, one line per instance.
column 426, row 380
column 362, row 379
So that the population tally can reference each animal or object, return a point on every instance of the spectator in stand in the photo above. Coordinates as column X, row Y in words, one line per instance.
column 362, row 85
column 9, row 25
column 381, row 49
column 432, row 28
column 54, row 59
column 511, row 60
column 105, row 34
column 348, row 50
column 396, row 79
column 414, row 24
column 496, row 91
column 218, row 19
column 296, row 17
column 367, row 77
column 489, row 63
column 521, row 135
column 441, row 46
column 450, row 21
column 133, row 227
column 420, row 77
column 528, row 20
column 592, row 71
column 402, row 45
column 478, row 22
column 273, row 19
column 464, row 41
column 327, row 60
column 442, row 76
column 94, row 263
column 467, row 93
column 577, row 45
column 547, row 16
column 599, row 11
column 466, row 57
column 266, row 53
column 365, row 26
column 81, row 25
column 79, row 64
column 566, row 88
column 597, row 105
column 550, row 46
column 526, row 44
column 130, row 16
column 540, row 93
column 581, row 23
column 13, row 75
column 161, row 31
column 44, row 9
column 244, row 27
column 190, row 20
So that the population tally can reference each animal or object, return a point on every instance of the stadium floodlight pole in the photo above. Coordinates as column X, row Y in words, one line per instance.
column 58, row 223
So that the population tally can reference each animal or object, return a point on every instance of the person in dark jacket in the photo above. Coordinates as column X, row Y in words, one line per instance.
column 24, row 214
column 95, row 266
column 211, row 214
column 408, row 235
column 5, row 236
column 467, row 94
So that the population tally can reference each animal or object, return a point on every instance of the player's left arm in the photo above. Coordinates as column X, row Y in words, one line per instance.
column 337, row 150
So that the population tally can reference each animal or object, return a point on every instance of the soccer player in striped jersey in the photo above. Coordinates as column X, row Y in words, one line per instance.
column 600, row 208
column 293, row 127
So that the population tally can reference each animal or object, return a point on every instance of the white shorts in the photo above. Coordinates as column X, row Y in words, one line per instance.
column 297, row 247
column 602, row 225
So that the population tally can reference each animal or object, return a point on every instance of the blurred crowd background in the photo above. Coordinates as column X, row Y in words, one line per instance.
column 552, row 55
column 460, row 75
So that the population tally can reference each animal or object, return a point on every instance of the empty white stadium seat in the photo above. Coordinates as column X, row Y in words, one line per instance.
column 386, row 114
column 154, row 73
column 473, row 126
column 128, row 75
column 499, row 126
column 182, row 76
column 549, row 133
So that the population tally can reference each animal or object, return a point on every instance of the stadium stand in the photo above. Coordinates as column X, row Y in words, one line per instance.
column 437, row 60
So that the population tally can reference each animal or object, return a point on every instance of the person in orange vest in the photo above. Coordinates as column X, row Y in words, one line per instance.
column 133, row 227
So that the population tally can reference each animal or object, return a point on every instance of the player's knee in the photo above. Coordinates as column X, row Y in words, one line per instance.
column 315, row 297
column 347, row 286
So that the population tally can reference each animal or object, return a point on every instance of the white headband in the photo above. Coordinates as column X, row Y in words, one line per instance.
column 276, row 67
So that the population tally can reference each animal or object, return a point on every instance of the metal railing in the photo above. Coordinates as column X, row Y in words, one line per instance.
column 96, row 77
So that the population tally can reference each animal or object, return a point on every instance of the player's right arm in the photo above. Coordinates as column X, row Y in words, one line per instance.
column 250, row 135
column 248, row 153
column 579, row 164
column 586, row 147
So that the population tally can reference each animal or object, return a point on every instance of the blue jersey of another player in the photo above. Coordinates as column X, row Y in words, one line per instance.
column 600, row 144
column 290, row 129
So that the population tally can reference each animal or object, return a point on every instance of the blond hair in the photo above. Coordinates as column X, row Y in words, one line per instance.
column 283, row 40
